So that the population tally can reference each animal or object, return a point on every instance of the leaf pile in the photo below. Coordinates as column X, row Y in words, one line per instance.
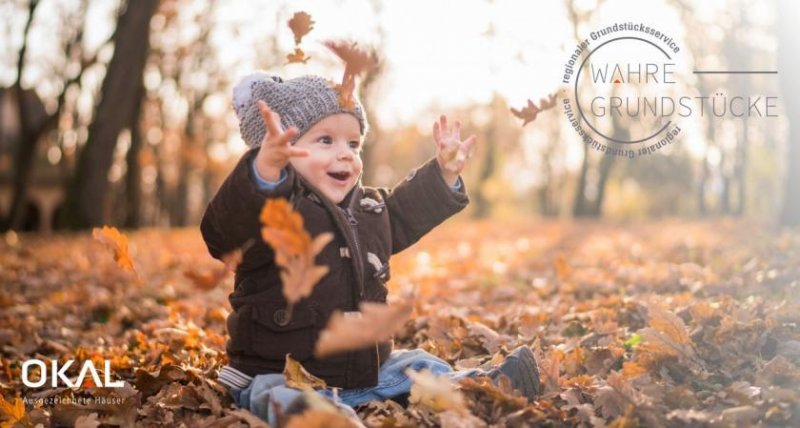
column 654, row 324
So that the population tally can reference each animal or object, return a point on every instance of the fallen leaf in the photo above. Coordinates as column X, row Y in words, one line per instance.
column 14, row 412
column 87, row 421
column 298, row 377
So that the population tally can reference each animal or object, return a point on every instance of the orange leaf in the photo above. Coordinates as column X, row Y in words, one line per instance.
column 295, row 251
column 14, row 411
column 297, row 57
column 357, row 61
column 376, row 322
column 300, row 24
column 298, row 377
column 528, row 113
column 117, row 242
column 209, row 280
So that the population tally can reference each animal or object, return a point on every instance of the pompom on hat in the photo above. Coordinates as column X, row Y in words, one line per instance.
column 301, row 102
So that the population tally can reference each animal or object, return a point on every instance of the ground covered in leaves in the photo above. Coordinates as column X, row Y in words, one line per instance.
column 654, row 324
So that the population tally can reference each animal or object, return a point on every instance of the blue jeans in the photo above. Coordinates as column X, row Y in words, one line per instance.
column 268, row 392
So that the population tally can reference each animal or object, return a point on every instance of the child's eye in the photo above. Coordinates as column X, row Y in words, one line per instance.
column 355, row 144
column 325, row 140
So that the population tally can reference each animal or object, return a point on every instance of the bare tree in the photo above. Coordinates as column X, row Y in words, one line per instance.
column 120, row 98
column 34, row 121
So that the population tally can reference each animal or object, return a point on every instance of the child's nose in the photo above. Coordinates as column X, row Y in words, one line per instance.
column 345, row 154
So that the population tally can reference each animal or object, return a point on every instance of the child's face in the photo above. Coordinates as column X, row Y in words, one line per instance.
column 333, row 164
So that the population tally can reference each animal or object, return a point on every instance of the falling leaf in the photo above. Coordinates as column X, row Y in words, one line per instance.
column 298, row 377
column 300, row 24
column 357, row 61
column 528, row 113
column 117, row 242
column 562, row 267
column 294, row 249
column 209, row 280
column 375, row 323
column 434, row 392
column 297, row 57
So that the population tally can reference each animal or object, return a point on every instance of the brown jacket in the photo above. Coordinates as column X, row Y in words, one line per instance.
column 369, row 226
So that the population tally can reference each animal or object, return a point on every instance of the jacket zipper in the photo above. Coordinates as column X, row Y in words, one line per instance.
column 353, row 223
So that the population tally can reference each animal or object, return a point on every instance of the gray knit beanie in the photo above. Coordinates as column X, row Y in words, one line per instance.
column 300, row 102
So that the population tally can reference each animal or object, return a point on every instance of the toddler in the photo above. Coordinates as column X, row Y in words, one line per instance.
column 306, row 147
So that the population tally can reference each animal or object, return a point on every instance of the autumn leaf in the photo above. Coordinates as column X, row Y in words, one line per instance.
column 528, row 113
column 562, row 267
column 116, row 241
column 435, row 392
column 376, row 322
column 294, row 249
column 298, row 377
column 357, row 61
column 209, row 280
column 300, row 24
column 297, row 57
column 13, row 412
column 320, row 419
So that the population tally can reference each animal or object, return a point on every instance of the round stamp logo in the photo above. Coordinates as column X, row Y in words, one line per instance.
column 620, row 94
column 626, row 93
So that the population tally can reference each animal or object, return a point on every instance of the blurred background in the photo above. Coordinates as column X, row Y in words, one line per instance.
column 119, row 112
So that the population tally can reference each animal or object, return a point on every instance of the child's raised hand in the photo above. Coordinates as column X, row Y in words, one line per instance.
column 451, row 152
column 276, row 149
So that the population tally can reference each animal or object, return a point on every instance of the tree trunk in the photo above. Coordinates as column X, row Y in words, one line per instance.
column 133, row 177
column 26, row 144
column 86, row 196
column 789, row 67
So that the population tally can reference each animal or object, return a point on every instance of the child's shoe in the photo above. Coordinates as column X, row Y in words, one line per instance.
column 520, row 367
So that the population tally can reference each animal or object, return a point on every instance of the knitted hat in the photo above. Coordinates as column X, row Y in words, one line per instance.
column 300, row 102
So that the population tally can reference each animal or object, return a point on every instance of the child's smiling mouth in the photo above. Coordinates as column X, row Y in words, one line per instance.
column 341, row 176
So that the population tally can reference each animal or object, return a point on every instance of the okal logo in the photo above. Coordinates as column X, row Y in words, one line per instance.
column 627, row 92
column 57, row 373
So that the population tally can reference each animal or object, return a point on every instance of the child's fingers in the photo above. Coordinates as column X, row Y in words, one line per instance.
column 271, row 119
column 294, row 152
column 457, row 131
column 284, row 138
column 469, row 144
column 443, row 124
column 437, row 134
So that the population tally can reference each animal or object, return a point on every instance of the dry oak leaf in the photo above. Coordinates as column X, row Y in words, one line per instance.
column 528, row 113
column 294, row 249
column 13, row 412
column 298, row 377
column 297, row 57
column 376, row 322
column 117, row 242
column 320, row 419
column 300, row 24
column 357, row 61
column 209, row 280
column 435, row 392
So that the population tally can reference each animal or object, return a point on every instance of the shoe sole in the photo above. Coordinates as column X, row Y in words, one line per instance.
column 529, row 378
